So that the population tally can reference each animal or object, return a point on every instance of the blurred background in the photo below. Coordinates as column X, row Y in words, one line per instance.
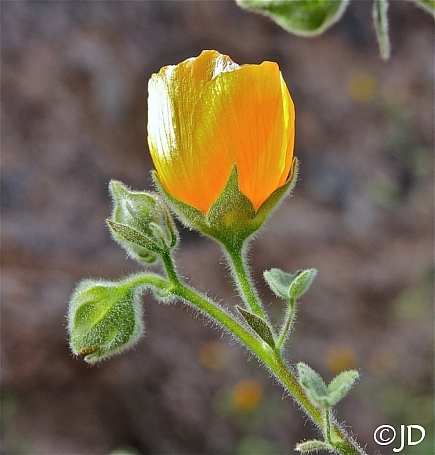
column 74, row 115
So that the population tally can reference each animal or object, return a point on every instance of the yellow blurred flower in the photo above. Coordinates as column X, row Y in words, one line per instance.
column 340, row 357
column 362, row 87
column 247, row 394
column 208, row 114
column 383, row 361
column 213, row 355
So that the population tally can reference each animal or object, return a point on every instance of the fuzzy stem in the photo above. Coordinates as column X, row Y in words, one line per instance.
column 287, row 325
column 170, row 267
column 269, row 357
column 327, row 424
column 150, row 280
column 243, row 280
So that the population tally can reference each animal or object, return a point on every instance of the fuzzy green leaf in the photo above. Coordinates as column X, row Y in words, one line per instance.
column 259, row 326
column 340, row 386
column 279, row 281
column 427, row 5
column 313, row 385
column 313, row 446
column 301, row 283
column 301, row 17
column 287, row 285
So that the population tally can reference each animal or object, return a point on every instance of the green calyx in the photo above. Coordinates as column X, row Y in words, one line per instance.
column 141, row 223
column 104, row 318
column 232, row 218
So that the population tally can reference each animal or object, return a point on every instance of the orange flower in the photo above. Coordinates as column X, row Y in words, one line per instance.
column 208, row 114
column 247, row 394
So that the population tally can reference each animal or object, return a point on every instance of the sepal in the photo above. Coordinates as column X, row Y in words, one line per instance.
column 301, row 17
column 104, row 318
column 141, row 223
column 232, row 218
column 232, row 212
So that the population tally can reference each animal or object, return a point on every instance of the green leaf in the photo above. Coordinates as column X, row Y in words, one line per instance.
column 301, row 283
column 104, row 318
column 279, row 281
column 313, row 384
column 313, row 446
column 340, row 386
column 427, row 5
column 259, row 326
column 287, row 285
column 301, row 17
column 380, row 8
column 321, row 395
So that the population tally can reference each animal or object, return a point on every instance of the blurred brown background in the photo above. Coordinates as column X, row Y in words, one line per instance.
column 74, row 103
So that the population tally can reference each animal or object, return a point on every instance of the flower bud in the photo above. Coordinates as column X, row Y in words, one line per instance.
column 141, row 223
column 221, row 138
column 104, row 318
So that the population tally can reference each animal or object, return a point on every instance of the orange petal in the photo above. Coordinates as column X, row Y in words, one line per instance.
column 173, row 92
column 244, row 117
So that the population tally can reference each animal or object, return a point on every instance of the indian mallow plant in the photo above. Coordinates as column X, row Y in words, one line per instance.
column 221, row 137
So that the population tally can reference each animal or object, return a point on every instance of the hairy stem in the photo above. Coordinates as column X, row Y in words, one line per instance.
column 287, row 325
column 271, row 358
column 243, row 280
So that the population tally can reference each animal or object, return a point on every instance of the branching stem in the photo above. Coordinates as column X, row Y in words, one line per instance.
column 269, row 357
